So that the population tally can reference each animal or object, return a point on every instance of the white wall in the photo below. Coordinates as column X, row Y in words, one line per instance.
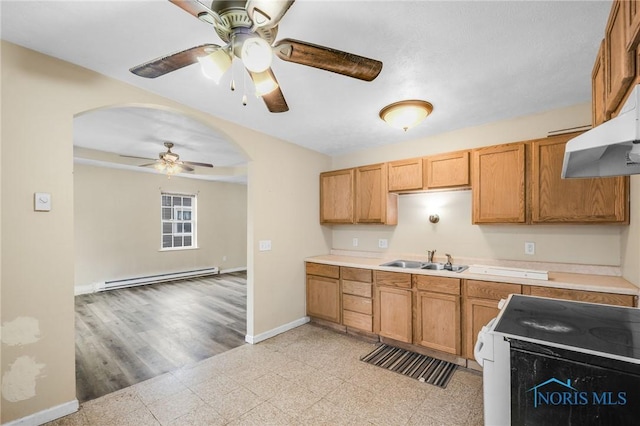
column 583, row 244
column 40, row 97
column 117, row 217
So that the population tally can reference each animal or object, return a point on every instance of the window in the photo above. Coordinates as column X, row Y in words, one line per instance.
column 178, row 221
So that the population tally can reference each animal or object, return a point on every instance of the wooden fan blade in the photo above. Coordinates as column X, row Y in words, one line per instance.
column 172, row 62
column 148, row 164
column 274, row 100
column 194, row 163
column 139, row 158
column 328, row 59
column 267, row 13
column 184, row 167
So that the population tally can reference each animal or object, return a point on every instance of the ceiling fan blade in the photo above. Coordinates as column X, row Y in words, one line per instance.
column 140, row 158
column 148, row 164
column 194, row 163
column 172, row 62
column 328, row 59
column 267, row 13
column 274, row 100
column 184, row 167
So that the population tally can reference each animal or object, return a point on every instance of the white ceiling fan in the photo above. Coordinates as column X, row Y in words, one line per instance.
column 170, row 163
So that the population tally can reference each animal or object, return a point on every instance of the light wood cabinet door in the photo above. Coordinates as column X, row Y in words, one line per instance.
column 337, row 196
column 405, row 175
column 582, row 295
column 619, row 62
column 323, row 298
column 633, row 24
column 499, row 184
column 449, row 170
column 595, row 200
column 374, row 204
column 437, row 323
column 598, row 101
column 477, row 313
column 392, row 315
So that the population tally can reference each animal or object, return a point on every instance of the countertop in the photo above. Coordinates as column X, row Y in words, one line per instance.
column 574, row 281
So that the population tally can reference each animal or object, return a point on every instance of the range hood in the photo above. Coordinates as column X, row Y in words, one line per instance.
column 610, row 149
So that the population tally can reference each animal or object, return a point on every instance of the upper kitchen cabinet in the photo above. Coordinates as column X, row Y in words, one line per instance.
column 374, row 203
column 337, row 198
column 619, row 56
column 598, row 103
column 597, row 200
column 405, row 175
column 498, row 184
column 449, row 170
column 632, row 15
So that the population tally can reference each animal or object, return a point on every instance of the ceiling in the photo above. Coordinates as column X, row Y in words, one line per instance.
column 475, row 61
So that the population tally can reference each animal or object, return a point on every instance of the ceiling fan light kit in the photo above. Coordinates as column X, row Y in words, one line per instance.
column 406, row 114
column 249, row 28
column 215, row 64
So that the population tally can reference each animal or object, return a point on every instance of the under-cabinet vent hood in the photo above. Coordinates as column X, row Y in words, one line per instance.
column 610, row 149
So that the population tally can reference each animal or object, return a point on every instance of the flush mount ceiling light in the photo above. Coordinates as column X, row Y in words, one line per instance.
column 406, row 114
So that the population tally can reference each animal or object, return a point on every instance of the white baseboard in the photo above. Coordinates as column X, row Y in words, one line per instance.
column 238, row 269
column 47, row 415
column 274, row 332
column 87, row 288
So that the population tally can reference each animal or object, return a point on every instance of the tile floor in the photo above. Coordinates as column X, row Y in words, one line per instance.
column 306, row 376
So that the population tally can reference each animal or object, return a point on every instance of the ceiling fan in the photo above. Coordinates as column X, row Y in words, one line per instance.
column 249, row 27
column 170, row 162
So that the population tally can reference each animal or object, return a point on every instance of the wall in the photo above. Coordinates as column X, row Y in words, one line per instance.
column 40, row 96
column 631, row 237
column 116, row 225
column 600, row 245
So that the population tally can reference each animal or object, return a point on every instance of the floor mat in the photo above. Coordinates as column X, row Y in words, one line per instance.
column 420, row 367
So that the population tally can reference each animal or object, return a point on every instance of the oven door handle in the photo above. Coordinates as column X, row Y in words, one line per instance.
column 483, row 349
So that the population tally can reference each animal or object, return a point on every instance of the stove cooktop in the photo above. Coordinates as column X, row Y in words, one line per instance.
column 601, row 328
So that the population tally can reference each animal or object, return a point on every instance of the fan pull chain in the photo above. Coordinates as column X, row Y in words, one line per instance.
column 233, row 68
column 244, row 89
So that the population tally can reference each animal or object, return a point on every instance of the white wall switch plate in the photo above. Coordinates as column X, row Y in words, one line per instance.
column 42, row 201
column 264, row 245
column 383, row 243
column 355, row 242
column 529, row 248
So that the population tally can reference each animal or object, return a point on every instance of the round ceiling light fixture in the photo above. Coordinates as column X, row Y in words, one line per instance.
column 406, row 114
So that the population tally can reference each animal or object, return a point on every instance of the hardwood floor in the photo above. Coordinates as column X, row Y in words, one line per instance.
column 129, row 335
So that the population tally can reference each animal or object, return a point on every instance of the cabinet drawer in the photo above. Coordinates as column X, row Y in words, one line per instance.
column 394, row 279
column 323, row 270
column 357, row 274
column 356, row 288
column 491, row 290
column 357, row 320
column 583, row 296
column 437, row 284
column 357, row 304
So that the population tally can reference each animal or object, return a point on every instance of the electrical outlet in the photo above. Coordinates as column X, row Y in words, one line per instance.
column 383, row 243
column 355, row 242
column 264, row 245
column 224, row 258
column 529, row 248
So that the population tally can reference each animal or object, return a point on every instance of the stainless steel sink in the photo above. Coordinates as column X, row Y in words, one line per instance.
column 404, row 264
column 434, row 266
column 443, row 266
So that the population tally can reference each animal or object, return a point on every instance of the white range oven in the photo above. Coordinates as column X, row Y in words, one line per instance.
column 558, row 362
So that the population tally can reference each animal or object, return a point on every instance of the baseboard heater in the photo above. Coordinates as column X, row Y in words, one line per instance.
column 153, row 279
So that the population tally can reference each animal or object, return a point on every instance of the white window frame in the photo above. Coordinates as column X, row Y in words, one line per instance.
column 177, row 222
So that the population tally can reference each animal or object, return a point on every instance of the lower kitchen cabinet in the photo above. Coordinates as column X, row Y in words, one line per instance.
column 437, row 324
column 323, row 292
column 393, row 306
column 582, row 295
column 481, row 306
column 357, row 303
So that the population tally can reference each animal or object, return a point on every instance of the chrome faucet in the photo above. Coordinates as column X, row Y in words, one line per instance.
column 430, row 254
column 448, row 266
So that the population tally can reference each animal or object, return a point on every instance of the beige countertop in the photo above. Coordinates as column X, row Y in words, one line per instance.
column 574, row 281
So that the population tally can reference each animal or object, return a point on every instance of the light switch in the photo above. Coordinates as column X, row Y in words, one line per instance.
column 264, row 245
column 42, row 201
